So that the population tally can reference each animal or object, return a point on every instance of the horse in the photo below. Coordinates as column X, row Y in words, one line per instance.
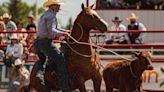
column 83, row 63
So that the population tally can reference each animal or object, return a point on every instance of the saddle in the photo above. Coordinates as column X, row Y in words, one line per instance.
column 50, row 75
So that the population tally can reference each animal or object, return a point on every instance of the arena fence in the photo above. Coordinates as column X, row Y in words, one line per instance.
column 152, row 79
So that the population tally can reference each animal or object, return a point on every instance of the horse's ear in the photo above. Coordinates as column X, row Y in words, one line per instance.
column 92, row 6
column 82, row 6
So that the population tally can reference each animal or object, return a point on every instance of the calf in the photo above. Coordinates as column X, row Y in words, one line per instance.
column 127, row 75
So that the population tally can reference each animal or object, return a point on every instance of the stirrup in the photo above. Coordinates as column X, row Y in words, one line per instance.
column 41, row 78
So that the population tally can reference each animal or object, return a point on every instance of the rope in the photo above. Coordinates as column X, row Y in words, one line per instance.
column 132, row 71
column 84, row 43
column 77, row 52
column 82, row 32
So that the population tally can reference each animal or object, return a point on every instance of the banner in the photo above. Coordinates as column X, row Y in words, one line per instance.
column 152, row 79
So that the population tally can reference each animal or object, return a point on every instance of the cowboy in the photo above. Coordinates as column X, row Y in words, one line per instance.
column 135, row 38
column 116, row 38
column 47, row 30
column 10, row 25
column 20, row 77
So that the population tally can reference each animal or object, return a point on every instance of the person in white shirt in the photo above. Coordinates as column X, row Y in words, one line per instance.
column 10, row 25
column 116, row 38
column 20, row 77
column 13, row 51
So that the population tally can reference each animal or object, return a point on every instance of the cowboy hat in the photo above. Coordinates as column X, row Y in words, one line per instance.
column 116, row 19
column 6, row 15
column 18, row 62
column 13, row 37
column 133, row 17
column 51, row 2
column 30, row 16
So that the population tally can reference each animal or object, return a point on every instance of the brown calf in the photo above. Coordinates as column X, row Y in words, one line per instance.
column 127, row 75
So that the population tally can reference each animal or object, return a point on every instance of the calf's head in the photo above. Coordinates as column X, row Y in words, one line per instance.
column 144, row 60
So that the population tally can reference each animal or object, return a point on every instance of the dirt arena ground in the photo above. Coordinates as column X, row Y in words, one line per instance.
column 3, row 90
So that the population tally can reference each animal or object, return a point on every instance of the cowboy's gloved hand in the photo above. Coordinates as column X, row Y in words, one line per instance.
column 65, row 34
column 68, row 31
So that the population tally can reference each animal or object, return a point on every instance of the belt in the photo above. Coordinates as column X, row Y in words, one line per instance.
column 44, row 38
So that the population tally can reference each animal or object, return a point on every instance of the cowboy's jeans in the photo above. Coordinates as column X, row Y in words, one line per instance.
column 45, row 47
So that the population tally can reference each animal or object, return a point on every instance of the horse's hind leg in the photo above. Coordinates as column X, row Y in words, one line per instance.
column 97, row 81
column 81, row 84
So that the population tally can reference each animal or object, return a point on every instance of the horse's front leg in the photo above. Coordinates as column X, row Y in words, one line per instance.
column 97, row 81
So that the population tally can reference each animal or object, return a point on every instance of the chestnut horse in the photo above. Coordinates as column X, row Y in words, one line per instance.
column 82, row 61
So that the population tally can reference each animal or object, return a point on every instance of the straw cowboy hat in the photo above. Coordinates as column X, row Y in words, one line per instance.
column 133, row 17
column 13, row 37
column 18, row 62
column 116, row 19
column 30, row 16
column 51, row 2
column 6, row 15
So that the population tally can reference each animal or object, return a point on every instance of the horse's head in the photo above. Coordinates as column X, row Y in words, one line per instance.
column 144, row 60
column 89, row 19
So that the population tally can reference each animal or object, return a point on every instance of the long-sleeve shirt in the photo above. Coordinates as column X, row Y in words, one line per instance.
column 47, row 26
column 11, row 26
column 121, row 27
column 16, row 50
column 22, row 77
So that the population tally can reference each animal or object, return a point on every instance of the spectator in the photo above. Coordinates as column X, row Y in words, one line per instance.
column 104, row 4
column 135, row 38
column 118, row 38
column 156, row 3
column 20, row 77
column 145, row 4
column 119, row 4
column 22, row 37
column 10, row 25
column 1, row 54
column 132, row 4
column 2, row 36
column 13, row 51
column 31, row 25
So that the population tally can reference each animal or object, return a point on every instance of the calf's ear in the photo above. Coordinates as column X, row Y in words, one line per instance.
column 137, row 54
